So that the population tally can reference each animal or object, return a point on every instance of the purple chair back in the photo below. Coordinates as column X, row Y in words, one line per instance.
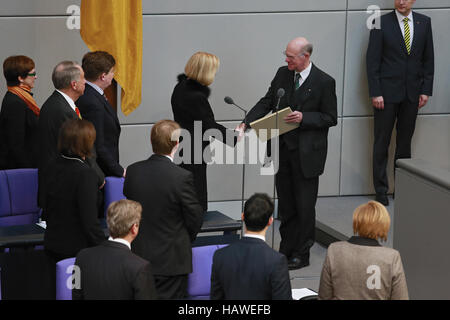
column 18, row 197
column 199, row 281
column 63, row 273
column 113, row 190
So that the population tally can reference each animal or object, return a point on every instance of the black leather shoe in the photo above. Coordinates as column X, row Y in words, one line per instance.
column 297, row 263
column 382, row 198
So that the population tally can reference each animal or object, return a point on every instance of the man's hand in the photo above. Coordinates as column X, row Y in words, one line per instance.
column 241, row 129
column 124, row 172
column 378, row 102
column 423, row 99
column 294, row 117
column 101, row 187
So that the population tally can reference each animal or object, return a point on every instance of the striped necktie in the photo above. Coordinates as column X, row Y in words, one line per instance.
column 297, row 80
column 407, row 35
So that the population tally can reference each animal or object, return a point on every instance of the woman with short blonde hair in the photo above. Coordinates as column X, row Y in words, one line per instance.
column 360, row 268
column 191, row 108
column 202, row 67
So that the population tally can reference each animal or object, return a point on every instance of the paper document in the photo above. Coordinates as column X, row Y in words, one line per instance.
column 297, row 294
column 265, row 126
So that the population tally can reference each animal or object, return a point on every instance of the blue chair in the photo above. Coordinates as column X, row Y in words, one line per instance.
column 63, row 279
column 113, row 190
column 18, row 197
column 199, row 281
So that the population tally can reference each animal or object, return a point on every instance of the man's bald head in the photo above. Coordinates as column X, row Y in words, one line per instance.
column 298, row 53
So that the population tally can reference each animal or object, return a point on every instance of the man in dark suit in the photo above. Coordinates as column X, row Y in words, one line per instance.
column 172, row 214
column 98, row 68
column 69, row 82
column 111, row 271
column 249, row 269
column 400, row 71
column 311, row 94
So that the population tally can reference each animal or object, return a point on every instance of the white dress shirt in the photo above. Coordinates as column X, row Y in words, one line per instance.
column 400, row 18
column 255, row 236
column 122, row 241
column 304, row 74
column 96, row 87
column 68, row 99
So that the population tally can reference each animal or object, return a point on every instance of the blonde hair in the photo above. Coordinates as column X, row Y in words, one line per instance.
column 121, row 216
column 371, row 220
column 202, row 67
column 164, row 136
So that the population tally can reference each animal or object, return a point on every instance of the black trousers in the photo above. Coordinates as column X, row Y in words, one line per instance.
column 405, row 113
column 200, row 184
column 297, row 198
column 171, row 287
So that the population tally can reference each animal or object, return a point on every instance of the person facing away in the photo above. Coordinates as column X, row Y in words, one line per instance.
column 171, row 212
column 400, row 72
column 360, row 268
column 19, row 115
column 69, row 194
column 99, row 67
column 249, row 269
column 111, row 271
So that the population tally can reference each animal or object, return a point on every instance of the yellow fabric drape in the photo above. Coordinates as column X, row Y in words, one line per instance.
column 115, row 26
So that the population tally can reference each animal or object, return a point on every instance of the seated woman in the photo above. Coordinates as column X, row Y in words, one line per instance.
column 70, row 194
column 19, row 115
column 360, row 268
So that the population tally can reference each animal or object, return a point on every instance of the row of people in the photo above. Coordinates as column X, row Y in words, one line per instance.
column 172, row 217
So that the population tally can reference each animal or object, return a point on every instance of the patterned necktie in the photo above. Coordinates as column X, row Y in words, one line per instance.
column 297, row 80
column 407, row 35
column 78, row 112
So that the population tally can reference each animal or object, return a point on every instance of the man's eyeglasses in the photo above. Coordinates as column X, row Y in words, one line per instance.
column 32, row 74
column 292, row 57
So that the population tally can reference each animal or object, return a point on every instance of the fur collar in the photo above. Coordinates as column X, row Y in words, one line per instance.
column 194, row 85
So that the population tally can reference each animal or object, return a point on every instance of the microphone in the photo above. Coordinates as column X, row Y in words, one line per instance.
column 280, row 94
column 229, row 100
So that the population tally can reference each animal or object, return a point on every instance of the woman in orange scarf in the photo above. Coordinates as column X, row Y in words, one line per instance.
column 19, row 115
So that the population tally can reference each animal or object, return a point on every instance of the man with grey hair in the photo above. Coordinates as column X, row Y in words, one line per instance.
column 111, row 271
column 69, row 82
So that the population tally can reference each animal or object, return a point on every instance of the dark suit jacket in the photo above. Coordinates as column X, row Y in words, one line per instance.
column 171, row 216
column 316, row 99
column 55, row 111
column 95, row 108
column 391, row 72
column 250, row 270
column 111, row 271
column 18, row 134
column 69, row 198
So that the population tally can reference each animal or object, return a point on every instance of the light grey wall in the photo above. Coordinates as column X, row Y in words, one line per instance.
column 249, row 37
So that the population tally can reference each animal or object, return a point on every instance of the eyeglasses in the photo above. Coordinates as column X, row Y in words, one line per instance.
column 32, row 74
column 292, row 57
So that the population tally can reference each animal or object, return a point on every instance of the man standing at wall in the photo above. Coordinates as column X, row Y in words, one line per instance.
column 400, row 71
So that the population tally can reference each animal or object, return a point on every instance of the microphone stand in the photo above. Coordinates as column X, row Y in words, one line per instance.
column 275, row 176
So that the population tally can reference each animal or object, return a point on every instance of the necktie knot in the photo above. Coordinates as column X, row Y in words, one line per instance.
column 405, row 20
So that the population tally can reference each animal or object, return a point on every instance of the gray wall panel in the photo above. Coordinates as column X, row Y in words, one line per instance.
column 356, row 96
column 356, row 157
column 209, row 6
column 46, row 40
column 250, row 49
column 35, row 7
column 389, row 4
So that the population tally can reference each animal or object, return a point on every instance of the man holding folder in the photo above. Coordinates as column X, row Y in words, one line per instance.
column 311, row 94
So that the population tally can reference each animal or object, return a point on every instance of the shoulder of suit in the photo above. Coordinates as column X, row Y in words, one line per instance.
column 322, row 74
column 420, row 16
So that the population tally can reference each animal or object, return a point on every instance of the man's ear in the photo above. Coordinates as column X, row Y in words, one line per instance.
column 270, row 221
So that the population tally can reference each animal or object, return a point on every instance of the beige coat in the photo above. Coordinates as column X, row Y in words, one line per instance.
column 361, row 269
